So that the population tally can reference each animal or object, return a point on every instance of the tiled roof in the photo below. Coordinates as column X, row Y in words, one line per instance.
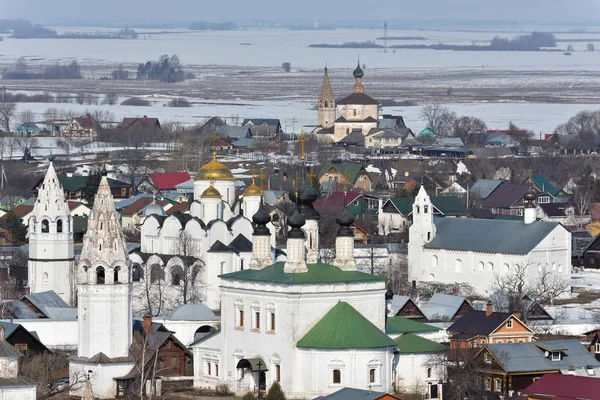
column 409, row 343
column 489, row 235
column 317, row 273
column 565, row 387
column 168, row 180
column 345, row 328
column 399, row 325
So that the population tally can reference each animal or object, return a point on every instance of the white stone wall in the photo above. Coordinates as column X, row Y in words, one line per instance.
column 411, row 372
column 101, row 377
column 18, row 392
column 354, row 369
column 342, row 129
column 55, row 334
column 357, row 112
column 105, row 319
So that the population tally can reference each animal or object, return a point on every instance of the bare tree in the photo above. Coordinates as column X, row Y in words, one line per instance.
column 186, row 276
column 51, row 115
column 26, row 144
column 464, row 127
column 42, row 368
column 511, row 289
column 439, row 118
column 7, row 112
column 26, row 117
column 110, row 99
column 66, row 144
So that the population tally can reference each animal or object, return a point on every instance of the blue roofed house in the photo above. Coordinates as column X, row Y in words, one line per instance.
column 445, row 307
column 31, row 129
column 263, row 128
column 475, row 251
column 482, row 188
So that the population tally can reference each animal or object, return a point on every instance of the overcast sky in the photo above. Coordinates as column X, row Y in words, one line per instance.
column 71, row 11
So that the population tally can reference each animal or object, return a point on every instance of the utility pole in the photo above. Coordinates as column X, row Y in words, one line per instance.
column 385, row 36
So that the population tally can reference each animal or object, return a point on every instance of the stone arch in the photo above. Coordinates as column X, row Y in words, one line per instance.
column 100, row 275
column 45, row 225
column 156, row 273
column 116, row 272
column 326, row 103
column 59, row 225
column 176, row 275
column 137, row 273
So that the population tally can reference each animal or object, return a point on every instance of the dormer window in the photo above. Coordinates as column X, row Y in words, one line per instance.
column 509, row 323
column 598, row 348
column 556, row 356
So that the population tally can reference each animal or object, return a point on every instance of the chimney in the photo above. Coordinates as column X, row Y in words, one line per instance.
column 147, row 324
column 517, row 314
column 571, row 370
column 27, row 290
column 489, row 309
column 454, row 292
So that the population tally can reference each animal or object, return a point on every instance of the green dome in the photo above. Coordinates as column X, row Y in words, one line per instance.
column 358, row 72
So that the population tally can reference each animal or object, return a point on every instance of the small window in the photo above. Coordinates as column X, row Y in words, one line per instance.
column 240, row 321
column 520, row 212
column 544, row 199
column 21, row 346
column 497, row 385
column 100, row 275
column 488, row 383
column 272, row 321
column 509, row 323
column 208, row 368
column 175, row 279
column 216, row 369
column 425, row 209
column 242, row 264
column 45, row 226
column 598, row 348
column 45, row 277
column 337, row 376
column 137, row 272
column 277, row 373
column 372, row 375
column 123, row 192
column 257, row 320
column 429, row 372
column 59, row 226
column 556, row 356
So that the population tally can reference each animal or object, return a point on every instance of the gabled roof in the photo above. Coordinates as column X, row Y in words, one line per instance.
column 145, row 121
column 483, row 187
column 399, row 325
column 506, row 195
column 235, row 132
column 352, row 170
column 86, row 122
column 219, row 247
column 409, row 343
column 355, row 138
column 446, row 205
column 489, row 235
column 442, row 306
column 260, row 121
column 241, row 244
column 344, row 328
column 427, row 132
column 357, row 99
column 7, row 351
column 565, row 387
column 168, row 180
column 317, row 273
column 529, row 356
column 48, row 298
column 544, row 185
column 475, row 322
column 555, row 209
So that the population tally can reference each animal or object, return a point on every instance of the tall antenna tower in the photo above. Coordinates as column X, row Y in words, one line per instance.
column 385, row 36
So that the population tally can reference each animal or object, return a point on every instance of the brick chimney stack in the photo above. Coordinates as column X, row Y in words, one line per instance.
column 147, row 324
column 489, row 309
column 27, row 290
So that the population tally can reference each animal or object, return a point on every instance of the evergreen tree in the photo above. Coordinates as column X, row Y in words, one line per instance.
column 91, row 186
column 249, row 396
column 275, row 392
column 18, row 232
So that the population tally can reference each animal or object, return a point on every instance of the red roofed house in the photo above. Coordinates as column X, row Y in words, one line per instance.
column 563, row 387
column 162, row 181
column 84, row 126
column 130, row 215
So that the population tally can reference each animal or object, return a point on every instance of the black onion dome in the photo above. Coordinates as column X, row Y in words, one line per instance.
column 345, row 220
column 358, row 72
column 529, row 196
column 261, row 219
column 389, row 294
column 296, row 221
column 104, row 172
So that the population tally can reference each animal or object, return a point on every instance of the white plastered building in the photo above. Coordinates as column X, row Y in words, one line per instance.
column 475, row 251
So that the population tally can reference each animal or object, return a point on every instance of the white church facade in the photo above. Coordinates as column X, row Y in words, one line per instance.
column 311, row 326
column 476, row 251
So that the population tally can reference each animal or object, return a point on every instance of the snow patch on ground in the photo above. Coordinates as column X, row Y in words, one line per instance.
column 372, row 168
column 461, row 168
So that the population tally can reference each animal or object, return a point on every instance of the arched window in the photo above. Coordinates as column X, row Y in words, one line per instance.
column 242, row 264
column 101, row 225
column 337, row 376
column 156, row 273
column 45, row 226
column 559, row 267
column 418, row 209
column 429, row 372
column 275, row 217
column 490, row 267
column 505, row 268
column 434, row 261
column 137, row 273
column 45, row 277
column 116, row 274
column 100, row 275
column 59, row 226
column 458, row 265
column 480, row 266
column 354, row 112
column 425, row 208
column 320, row 104
column 176, row 275
column 326, row 103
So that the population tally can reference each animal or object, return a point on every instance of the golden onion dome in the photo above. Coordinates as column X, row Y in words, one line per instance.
column 253, row 190
column 211, row 192
column 215, row 171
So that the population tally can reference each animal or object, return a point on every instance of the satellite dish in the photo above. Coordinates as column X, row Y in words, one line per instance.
column 546, row 354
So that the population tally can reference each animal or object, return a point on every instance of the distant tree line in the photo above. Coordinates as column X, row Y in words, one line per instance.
column 213, row 26
column 7, row 25
column 57, row 71
column 535, row 41
column 22, row 29
column 165, row 69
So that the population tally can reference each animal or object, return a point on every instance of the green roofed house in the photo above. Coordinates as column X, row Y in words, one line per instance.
column 396, row 213
column 543, row 185
column 415, row 370
column 344, row 173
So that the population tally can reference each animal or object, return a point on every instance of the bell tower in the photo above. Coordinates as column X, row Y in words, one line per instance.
column 51, row 259
column 421, row 232
column 326, row 103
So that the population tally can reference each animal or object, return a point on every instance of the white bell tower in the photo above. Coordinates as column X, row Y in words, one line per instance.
column 104, row 283
column 51, row 259
column 421, row 232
